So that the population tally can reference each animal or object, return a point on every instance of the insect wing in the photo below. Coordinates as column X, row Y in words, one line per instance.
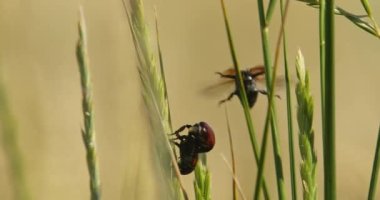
column 257, row 71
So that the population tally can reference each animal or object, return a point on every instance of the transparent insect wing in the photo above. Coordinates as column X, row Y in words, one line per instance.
column 218, row 89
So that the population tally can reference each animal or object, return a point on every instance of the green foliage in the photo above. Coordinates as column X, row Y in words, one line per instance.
column 359, row 20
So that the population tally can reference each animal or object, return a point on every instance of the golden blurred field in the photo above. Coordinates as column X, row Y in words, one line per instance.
column 39, row 69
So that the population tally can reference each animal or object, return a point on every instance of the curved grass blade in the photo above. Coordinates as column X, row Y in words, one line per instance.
column 368, row 9
column 355, row 19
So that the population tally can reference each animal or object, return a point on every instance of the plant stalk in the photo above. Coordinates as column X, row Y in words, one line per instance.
column 12, row 151
column 375, row 170
column 268, row 72
column 244, row 96
column 234, row 189
column 289, row 113
column 328, row 96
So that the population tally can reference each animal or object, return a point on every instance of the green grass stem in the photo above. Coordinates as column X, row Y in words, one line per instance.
column 375, row 170
column 244, row 96
column 328, row 96
column 88, row 132
column 270, row 9
column 289, row 112
column 264, row 30
column 260, row 172
column 12, row 151
column 234, row 192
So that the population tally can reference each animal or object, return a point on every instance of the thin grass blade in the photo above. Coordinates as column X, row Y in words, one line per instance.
column 234, row 192
column 270, row 9
column 268, row 118
column 244, row 96
column 375, row 170
column 354, row 18
column 264, row 30
column 289, row 112
column 238, row 186
column 12, row 151
column 368, row 9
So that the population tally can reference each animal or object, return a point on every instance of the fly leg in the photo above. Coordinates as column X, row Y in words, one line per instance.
column 228, row 98
column 264, row 92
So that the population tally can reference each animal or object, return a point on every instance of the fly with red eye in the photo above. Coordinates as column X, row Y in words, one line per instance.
column 250, row 76
column 200, row 139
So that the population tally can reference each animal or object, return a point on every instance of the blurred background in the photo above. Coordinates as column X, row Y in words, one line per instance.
column 40, row 73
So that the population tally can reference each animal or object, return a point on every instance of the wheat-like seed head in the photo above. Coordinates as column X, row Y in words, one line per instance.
column 306, row 132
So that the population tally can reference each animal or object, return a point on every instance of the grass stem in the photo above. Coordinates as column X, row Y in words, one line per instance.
column 328, row 95
column 375, row 170
column 264, row 29
column 268, row 117
column 244, row 96
column 289, row 112
column 234, row 193
column 270, row 9
column 242, row 196
column 9, row 139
